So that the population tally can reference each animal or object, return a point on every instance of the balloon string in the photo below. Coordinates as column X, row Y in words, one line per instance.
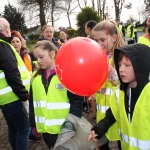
column 107, row 27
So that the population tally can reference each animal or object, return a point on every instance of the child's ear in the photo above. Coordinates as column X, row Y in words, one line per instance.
column 114, row 37
column 52, row 54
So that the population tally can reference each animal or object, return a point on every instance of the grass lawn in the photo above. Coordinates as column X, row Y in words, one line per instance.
column 31, row 44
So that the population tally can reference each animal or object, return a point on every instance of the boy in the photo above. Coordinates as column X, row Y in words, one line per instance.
column 130, row 103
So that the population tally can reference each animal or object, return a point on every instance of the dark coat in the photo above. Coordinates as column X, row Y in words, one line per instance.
column 8, row 63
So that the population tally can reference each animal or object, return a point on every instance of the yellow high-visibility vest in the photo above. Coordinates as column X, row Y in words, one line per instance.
column 6, row 93
column 103, row 103
column 144, row 40
column 135, row 135
column 50, row 109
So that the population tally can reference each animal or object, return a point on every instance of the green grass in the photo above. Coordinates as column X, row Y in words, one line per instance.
column 31, row 44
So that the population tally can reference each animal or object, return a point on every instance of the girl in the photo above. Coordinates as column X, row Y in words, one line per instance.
column 145, row 39
column 107, row 35
column 50, row 102
column 47, row 34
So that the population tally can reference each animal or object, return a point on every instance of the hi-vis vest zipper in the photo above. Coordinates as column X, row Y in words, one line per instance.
column 6, row 93
column 52, row 108
column 135, row 133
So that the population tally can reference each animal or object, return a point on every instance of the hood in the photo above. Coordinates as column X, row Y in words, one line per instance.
column 139, row 56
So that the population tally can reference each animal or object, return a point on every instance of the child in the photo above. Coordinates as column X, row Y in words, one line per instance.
column 130, row 102
column 50, row 102
column 107, row 35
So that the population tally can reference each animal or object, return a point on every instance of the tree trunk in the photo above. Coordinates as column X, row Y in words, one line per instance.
column 42, row 15
column 69, row 20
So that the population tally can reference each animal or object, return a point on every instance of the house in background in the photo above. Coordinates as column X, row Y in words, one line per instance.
column 32, row 30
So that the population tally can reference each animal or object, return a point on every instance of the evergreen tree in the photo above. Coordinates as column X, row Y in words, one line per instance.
column 15, row 18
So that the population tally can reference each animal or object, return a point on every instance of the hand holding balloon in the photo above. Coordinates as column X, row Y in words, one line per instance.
column 81, row 66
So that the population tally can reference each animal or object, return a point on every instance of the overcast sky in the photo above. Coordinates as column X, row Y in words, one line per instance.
column 64, row 22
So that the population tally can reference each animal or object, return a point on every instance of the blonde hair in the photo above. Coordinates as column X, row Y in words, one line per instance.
column 44, row 27
column 45, row 45
column 111, row 28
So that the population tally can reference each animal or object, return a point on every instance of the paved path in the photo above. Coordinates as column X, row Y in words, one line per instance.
column 4, row 143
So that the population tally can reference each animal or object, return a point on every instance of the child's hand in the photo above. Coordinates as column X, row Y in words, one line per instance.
column 111, row 70
column 92, row 136
column 112, row 75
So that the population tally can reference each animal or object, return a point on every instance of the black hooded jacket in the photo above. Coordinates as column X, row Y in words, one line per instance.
column 139, row 56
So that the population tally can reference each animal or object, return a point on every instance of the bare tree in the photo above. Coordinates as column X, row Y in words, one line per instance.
column 41, row 8
column 101, row 8
column 93, row 4
column 147, row 6
column 68, row 8
column 118, row 8
column 35, row 5
column 82, row 3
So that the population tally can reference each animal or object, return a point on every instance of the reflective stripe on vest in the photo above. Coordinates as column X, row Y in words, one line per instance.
column 132, row 141
column 102, row 108
column 52, row 122
column 21, row 69
column 9, row 89
column 105, row 91
column 51, row 105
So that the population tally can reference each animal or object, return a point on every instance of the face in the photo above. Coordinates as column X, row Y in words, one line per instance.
column 48, row 33
column 126, row 72
column 63, row 35
column 104, row 40
column 148, row 21
column 7, row 31
column 44, row 58
column 87, row 30
column 16, row 43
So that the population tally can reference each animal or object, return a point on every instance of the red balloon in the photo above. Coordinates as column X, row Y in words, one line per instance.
column 82, row 66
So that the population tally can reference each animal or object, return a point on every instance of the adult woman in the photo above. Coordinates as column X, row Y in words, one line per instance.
column 63, row 37
column 19, row 44
column 47, row 34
